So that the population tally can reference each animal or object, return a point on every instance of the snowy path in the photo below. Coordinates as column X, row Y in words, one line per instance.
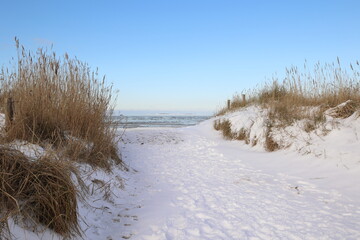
column 190, row 184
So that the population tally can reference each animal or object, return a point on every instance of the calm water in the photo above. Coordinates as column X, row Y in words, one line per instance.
column 158, row 121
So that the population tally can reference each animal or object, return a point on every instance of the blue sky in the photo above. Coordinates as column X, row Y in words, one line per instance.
column 185, row 54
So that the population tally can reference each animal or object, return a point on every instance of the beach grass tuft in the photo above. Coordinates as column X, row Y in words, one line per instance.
column 303, row 94
column 57, row 100
column 36, row 192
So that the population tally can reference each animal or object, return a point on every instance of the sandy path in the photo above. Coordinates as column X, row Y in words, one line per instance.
column 191, row 185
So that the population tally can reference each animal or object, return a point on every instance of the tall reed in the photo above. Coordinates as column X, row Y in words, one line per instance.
column 323, row 86
column 302, row 95
column 61, row 101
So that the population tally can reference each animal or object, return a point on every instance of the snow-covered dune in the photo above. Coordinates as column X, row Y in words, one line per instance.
column 336, row 140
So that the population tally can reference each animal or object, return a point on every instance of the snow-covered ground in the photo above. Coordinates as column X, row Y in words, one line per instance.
column 189, row 183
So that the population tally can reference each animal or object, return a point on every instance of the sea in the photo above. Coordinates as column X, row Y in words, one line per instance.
column 158, row 119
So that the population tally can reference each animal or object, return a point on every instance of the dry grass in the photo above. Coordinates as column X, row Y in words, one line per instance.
column 344, row 110
column 325, row 86
column 242, row 135
column 59, row 97
column 61, row 104
column 40, row 191
column 225, row 127
column 304, row 94
column 270, row 144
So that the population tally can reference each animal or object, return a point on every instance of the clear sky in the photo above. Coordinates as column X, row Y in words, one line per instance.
column 185, row 54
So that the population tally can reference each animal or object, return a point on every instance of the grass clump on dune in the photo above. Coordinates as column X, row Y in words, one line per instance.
column 326, row 85
column 305, row 94
column 39, row 191
column 58, row 100
column 225, row 127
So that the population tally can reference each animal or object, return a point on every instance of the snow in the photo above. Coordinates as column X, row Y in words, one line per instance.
column 190, row 183
column 337, row 140
column 30, row 150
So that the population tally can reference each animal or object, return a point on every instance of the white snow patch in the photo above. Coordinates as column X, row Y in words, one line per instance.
column 2, row 120
column 32, row 151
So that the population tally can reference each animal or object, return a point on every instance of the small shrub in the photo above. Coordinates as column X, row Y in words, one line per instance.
column 225, row 127
column 270, row 144
column 241, row 134
column 216, row 125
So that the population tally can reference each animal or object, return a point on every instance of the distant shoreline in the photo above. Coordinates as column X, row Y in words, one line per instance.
column 161, row 120
column 129, row 113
